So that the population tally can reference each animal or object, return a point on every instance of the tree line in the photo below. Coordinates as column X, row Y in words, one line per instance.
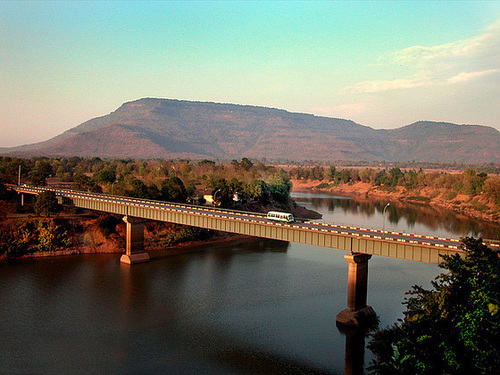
column 168, row 180
column 178, row 180
column 469, row 181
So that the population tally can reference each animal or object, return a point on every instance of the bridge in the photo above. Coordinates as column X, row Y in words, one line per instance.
column 361, row 243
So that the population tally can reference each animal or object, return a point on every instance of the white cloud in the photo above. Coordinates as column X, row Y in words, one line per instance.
column 465, row 77
column 451, row 63
column 379, row 86
column 465, row 48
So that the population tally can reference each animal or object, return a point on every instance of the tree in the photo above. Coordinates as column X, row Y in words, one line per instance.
column 38, row 178
column 105, row 176
column 222, row 192
column 3, row 191
column 137, row 189
column 173, row 190
column 256, row 190
column 453, row 329
column 46, row 203
column 395, row 174
column 330, row 173
column 246, row 164
column 280, row 186
column 472, row 182
column 80, row 181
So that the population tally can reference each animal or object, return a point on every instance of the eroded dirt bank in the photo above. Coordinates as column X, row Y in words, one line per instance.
column 477, row 206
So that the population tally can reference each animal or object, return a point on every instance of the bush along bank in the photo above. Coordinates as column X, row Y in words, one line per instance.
column 28, row 236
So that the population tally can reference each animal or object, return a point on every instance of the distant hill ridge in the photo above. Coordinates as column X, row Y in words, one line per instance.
column 165, row 128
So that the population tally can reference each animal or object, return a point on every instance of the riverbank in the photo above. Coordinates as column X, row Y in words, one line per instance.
column 105, row 234
column 472, row 206
column 25, row 235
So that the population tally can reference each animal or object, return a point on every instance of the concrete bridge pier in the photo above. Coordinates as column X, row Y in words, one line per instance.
column 134, row 247
column 357, row 312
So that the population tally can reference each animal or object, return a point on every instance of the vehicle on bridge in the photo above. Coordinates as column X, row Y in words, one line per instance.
column 280, row 216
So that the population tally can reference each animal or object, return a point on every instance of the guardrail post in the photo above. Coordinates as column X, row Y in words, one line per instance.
column 357, row 311
column 134, row 247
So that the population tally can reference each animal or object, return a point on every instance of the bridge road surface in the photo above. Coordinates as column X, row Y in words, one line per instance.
column 407, row 241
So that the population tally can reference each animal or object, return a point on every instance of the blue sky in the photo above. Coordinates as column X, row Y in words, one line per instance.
column 383, row 64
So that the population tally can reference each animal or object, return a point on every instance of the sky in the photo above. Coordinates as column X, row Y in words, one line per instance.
column 383, row 64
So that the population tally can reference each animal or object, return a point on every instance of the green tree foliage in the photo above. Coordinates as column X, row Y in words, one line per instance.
column 246, row 164
column 453, row 329
column 137, row 189
column 46, row 204
column 9, row 169
column 473, row 183
column 25, row 237
column 206, row 162
column 15, row 239
column 492, row 189
column 80, row 181
column 173, row 190
column 280, row 186
column 38, row 178
column 51, row 236
column 395, row 174
column 4, row 193
column 179, row 233
column 222, row 191
column 256, row 190
column 330, row 173
column 108, row 223
column 104, row 176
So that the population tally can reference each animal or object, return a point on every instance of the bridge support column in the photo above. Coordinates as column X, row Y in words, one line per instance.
column 357, row 312
column 134, row 247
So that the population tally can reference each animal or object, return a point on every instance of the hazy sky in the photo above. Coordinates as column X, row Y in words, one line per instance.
column 384, row 64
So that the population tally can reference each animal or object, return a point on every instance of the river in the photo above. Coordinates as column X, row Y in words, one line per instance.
column 264, row 307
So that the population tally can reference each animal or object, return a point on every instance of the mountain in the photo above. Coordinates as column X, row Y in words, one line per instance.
column 164, row 128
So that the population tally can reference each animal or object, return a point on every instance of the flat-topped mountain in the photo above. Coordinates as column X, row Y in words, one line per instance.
column 163, row 128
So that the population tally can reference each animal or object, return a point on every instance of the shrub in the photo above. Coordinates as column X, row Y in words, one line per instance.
column 46, row 204
column 453, row 329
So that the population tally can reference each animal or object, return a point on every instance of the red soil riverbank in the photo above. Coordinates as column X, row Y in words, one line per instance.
column 93, row 238
column 477, row 206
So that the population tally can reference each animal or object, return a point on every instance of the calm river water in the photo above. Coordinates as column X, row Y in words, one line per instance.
column 264, row 307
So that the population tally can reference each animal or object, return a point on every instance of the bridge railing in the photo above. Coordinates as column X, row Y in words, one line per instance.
column 134, row 199
column 373, row 232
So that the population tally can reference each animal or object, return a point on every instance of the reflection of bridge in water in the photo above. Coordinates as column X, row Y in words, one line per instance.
column 361, row 243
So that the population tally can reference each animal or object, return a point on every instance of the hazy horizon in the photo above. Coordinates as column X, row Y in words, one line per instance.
column 380, row 64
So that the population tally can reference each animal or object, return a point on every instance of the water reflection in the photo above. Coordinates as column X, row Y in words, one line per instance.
column 410, row 217
column 259, row 307
column 355, row 348
column 226, row 310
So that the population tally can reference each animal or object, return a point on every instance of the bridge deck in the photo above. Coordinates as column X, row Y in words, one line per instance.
column 371, row 241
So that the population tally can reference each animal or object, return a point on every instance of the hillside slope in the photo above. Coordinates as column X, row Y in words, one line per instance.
column 162, row 128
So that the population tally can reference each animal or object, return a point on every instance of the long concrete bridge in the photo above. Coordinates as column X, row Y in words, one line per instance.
column 361, row 243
